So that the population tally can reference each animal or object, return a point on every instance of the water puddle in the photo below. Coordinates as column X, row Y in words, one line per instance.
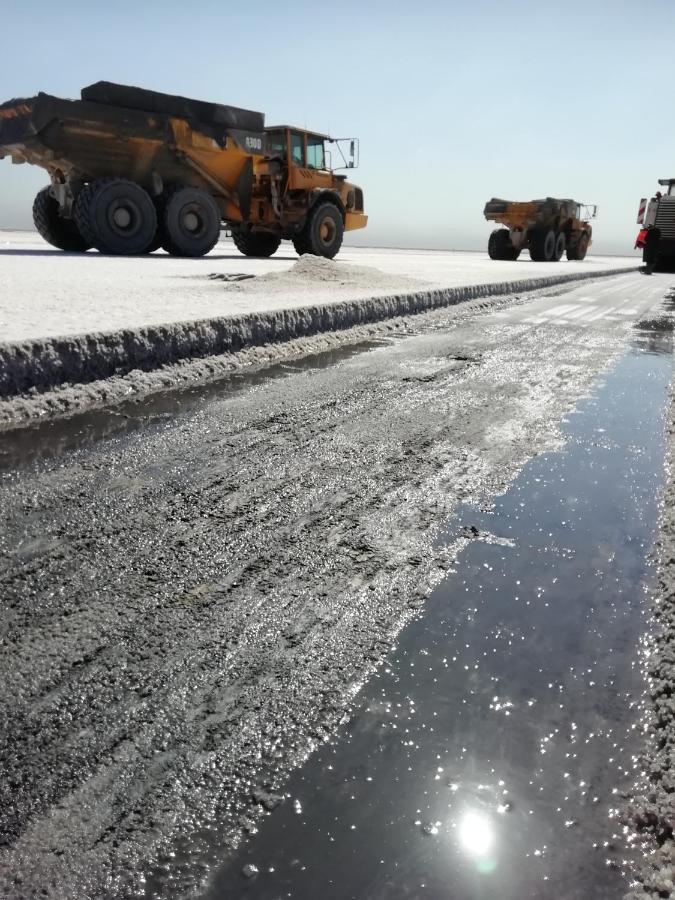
column 26, row 445
column 489, row 753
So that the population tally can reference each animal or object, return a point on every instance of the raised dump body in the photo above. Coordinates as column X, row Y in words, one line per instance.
column 547, row 228
column 132, row 170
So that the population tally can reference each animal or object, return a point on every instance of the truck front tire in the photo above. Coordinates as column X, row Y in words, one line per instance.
column 324, row 230
column 255, row 243
column 59, row 232
column 577, row 250
column 116, row 216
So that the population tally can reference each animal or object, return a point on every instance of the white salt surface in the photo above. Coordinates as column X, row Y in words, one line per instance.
column 44, row 292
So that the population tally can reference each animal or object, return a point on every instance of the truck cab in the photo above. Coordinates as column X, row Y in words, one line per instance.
column 312, row 186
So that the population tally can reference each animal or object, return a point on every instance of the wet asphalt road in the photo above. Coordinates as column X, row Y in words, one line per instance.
column 190, row 605
column 500, row 736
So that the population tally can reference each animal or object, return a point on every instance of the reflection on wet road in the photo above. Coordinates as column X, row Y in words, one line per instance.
column 24, row 446
column 489, row 755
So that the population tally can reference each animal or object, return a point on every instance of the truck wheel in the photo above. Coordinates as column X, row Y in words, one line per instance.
column 255, row 243
column 582, row 246
column 542, row 246
column 324, row 230
column 190, row 222
column 59, row 232
column 500, row 246
column 560, row 242
column 116, row 216
column 300, row 244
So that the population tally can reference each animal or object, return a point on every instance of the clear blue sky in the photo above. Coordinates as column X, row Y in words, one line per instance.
column 454, row 102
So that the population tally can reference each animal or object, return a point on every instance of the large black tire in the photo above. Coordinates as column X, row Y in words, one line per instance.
column 500, row 246
column 190, row 222
column 323, row 231
column 255, row 243
column 582, row 246
column 560, row 244
column 59, row 232
column 116, row 216
column 578, row 248
column 300, row 244
column 542, row 246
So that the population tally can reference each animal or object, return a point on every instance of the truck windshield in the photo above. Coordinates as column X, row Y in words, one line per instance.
column 315, row 155
column 297, row 148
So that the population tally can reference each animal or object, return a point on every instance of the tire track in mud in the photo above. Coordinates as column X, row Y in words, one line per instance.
column 189, row 609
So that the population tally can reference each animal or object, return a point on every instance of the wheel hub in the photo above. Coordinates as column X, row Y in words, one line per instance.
column 327, row 230
column 191, row 221
column 122, row 217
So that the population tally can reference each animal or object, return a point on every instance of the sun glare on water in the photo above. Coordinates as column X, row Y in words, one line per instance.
column 476, row 834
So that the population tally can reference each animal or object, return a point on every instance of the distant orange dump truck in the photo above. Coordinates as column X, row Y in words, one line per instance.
column 548, row 228
column 132, row 170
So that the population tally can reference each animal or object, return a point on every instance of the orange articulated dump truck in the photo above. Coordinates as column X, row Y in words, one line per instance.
column 547, row 228
column 133, row 170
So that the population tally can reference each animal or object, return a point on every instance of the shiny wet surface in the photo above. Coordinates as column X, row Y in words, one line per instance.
column 49, row 439
column 190, row 606
column 488, row 756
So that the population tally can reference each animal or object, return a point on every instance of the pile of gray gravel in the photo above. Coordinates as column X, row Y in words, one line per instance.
column 310, row 272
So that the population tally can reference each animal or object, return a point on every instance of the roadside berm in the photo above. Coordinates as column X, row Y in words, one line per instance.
column 275, row 304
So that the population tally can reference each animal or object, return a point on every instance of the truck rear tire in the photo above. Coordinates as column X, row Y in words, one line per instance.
column 560, row 242
column 190, row 222
column 255, row 243
column 59, row 232
column 324, row 230
column 116, row 216
column 500, row 246
column 542, row 246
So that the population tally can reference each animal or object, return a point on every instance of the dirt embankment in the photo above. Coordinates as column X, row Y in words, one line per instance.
column 33, row 367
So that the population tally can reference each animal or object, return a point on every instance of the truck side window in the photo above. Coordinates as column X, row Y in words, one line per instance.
column 315, row 154
column 297, row 148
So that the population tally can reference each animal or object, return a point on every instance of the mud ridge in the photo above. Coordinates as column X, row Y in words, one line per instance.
column 41, row 365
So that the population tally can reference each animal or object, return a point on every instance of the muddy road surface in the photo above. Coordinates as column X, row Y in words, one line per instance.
column 194, row 592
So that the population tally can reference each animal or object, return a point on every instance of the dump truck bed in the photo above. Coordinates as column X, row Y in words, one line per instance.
column 116, row 131
column 527, row 214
